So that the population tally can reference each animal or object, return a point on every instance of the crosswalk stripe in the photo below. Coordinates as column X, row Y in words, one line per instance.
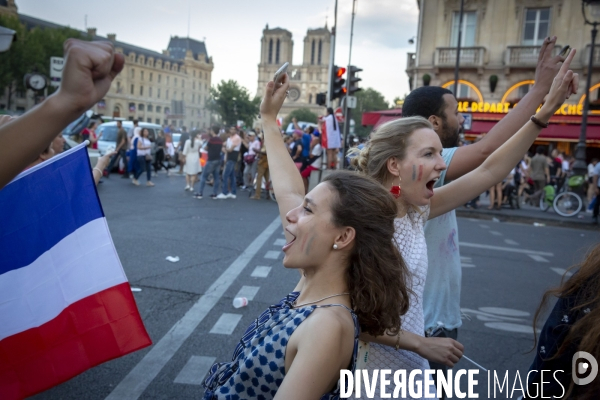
column 467, row 265
column 248, row 292
column 496, row 233
column 261, row 272
column 484, row 226
column 279, row 242
column 537, row 258
column 194, row 370
column 511, row 242
column 273, row 255
column 226, row 324
column 561, row 271
column 508, row 249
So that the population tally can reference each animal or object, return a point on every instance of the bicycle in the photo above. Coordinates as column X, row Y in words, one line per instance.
column 567, row 202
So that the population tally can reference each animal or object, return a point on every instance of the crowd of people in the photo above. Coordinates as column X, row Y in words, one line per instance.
column 376, row 247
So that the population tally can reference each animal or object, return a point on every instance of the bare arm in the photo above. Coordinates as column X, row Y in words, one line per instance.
column 89, row 70
column 497, row 166
column 467, row 158
column 441, row 350
column 287, row 182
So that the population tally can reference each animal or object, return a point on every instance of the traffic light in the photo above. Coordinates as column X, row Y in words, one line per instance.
column 321, row 99
column 353, row 79
column 338, row 88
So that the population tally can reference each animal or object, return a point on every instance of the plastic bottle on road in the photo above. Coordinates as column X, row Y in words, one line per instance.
column 240, row 302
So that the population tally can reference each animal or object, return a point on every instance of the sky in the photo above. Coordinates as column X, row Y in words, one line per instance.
column 232, row 30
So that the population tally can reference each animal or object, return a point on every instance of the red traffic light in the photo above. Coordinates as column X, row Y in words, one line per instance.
column 344, row 90
column 340, row 71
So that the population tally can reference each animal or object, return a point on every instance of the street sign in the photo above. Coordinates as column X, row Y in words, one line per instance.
column 339, row 114
column 351, row 100
column 57, row 65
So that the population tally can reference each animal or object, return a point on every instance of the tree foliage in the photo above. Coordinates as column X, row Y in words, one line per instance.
column 232, row 103
column 31, row 52
column 367, row 100
column 301, row 114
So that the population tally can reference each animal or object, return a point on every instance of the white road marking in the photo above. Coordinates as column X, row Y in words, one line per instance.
column 273, row 255
column 280, row 242
column 537, row 258
column 561, row 271
column 484, row 226
column 511, row 242
column 496, row 233
column 467, row 265
column 248, row 292
column 465, row 259
column 507, row 249
column 138, row 379
column 226, row 324
column 194, row 370
column 506, row 312
column 507, row 326
column 261, row 272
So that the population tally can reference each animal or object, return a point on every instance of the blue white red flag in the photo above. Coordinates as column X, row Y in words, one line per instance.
column 65, row 302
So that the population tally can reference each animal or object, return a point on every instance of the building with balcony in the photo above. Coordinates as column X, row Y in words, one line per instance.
column 170, row 87
column 500, row 47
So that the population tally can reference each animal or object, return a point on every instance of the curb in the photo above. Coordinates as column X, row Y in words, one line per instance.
column 562, row 222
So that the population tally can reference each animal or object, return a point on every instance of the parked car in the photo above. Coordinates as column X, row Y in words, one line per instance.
column 302, row 124
column 109, row 133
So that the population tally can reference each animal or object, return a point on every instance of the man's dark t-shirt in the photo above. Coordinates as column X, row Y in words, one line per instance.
column 182, row 139
column 296, row 155
column 122, row 137
column 214, row 147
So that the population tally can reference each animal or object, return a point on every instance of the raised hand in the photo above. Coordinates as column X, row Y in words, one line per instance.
column 547, row 65
column 89, row 70
column 274, row 98
column 565, row 84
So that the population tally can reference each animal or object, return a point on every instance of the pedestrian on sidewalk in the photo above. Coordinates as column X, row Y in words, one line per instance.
column 262, row 172
column 185, row 136
column 144, row 157
column 121, row 151
column 539, row 171
column 250, row 159
column 405, row 156
column 214, row 147
column 191, row 158
column 340, row 236
column 232, row 153
column 332, row 129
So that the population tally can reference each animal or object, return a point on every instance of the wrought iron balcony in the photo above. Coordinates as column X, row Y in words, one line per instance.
column 469, row 57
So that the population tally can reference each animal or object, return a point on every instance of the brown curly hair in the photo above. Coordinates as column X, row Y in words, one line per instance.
column 584, row 335
column 377, row 275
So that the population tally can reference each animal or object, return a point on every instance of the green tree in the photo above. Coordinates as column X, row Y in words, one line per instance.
column 232, row 103
column 31, row 51
column 301, row 114
column 367, row 100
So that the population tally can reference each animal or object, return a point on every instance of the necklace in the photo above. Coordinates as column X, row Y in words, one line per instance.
column 316, row 301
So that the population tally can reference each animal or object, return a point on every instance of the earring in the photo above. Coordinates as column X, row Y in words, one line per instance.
column 396, row 190
column 335, row 247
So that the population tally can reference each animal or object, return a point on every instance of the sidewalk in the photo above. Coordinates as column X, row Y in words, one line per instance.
column 526, row 214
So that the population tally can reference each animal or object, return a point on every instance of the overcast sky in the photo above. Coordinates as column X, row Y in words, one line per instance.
column 232, row 30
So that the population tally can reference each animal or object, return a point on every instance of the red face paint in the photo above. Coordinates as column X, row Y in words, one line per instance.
column 420, row 172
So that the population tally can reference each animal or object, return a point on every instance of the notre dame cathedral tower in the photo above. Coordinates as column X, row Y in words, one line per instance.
column 307, row 79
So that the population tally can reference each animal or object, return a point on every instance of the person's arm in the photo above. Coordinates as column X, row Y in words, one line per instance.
column 101, row 165
column 89, row 70
column 467, row 158
column 497, row 166
column 547, row 173
column 287, row 182
column 445, row 351
column 324, row 347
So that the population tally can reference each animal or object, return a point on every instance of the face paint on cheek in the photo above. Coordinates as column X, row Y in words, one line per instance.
column 420, row 172
column 307, row 252
column 414, row 176
column 303, row 244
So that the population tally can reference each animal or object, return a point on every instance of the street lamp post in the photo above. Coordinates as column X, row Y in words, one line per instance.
column 580, row 165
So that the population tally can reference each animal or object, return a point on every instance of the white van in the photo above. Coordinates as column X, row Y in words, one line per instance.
column 109, row 133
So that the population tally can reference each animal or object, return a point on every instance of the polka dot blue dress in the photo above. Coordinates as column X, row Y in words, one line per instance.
column 258, row 364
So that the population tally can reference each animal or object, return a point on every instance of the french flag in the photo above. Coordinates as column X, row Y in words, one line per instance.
column 65, row 303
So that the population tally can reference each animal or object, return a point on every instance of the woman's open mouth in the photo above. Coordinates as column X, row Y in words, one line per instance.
column 290, row 243
column 429, row 185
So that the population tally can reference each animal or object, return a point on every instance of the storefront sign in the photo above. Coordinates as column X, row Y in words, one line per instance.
column 503, row 108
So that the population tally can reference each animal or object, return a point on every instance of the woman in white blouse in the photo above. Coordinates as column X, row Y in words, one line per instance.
column 144, row 158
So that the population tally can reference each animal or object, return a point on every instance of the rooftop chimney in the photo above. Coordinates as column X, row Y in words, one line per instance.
column 112, row 37
column 92, row 32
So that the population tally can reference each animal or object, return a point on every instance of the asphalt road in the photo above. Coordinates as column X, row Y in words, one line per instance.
column 187, row 306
